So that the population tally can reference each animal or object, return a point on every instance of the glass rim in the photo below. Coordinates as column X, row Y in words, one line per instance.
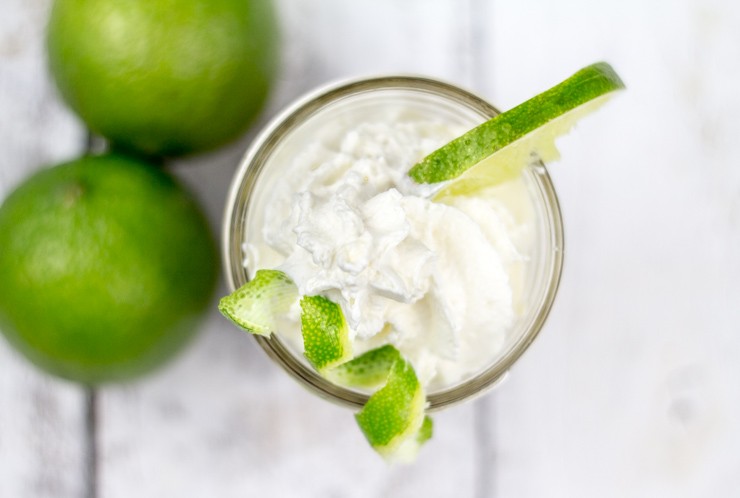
column 239, row 196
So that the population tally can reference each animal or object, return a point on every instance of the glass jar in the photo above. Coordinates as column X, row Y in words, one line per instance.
column 326, row 107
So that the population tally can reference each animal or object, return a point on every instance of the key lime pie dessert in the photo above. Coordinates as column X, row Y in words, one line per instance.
column 393, row 243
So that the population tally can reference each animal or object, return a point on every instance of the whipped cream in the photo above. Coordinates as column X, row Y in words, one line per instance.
column 439, row 281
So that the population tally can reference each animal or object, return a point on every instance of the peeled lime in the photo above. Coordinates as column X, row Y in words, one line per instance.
column 106, row 265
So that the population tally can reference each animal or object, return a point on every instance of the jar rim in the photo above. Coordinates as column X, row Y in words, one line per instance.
column 245, row 179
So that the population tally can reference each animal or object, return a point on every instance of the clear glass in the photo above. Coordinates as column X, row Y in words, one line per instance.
column 324, row 107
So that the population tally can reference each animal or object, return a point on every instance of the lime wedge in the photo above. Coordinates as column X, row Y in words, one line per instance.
column 256, row 305
column 393, row 419
column 325, row 333
column 497, row 150
column 369, row 370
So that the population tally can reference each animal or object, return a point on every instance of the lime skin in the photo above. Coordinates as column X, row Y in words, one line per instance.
column 164, row 77
column 106, row 265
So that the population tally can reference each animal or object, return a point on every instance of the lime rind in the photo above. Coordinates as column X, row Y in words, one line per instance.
column 508, row 163
column 530, row 128
column 256, row 305
column 393, row 419
column 394, row 415
column 426, row 431
column 368, row 371
column 409, row 449
column 325, row 333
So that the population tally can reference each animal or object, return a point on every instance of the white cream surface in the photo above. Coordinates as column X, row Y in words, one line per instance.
column 439, row 281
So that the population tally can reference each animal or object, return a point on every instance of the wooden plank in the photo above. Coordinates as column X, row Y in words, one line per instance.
column 223, row 419
column 630, row 389
column 42, row 431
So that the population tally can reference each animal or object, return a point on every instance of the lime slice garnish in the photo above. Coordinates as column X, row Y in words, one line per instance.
column 256, row 305
column 325, row 333
column 368, row 370
column 497, row 150
column 393, row 419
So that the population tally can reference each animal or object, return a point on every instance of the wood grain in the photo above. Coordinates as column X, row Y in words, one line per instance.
column 629, row 390
column 42, row 431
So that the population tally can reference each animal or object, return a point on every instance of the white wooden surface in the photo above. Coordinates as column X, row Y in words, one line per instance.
column 632, row 389
column 42, row 420
column 629, row 391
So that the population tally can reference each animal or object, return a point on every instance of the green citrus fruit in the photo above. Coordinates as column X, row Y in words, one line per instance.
column 106, row 264
column 164, row 77
column 498, row 150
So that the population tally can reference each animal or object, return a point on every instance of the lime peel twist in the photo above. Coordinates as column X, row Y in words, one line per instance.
column 393, row 420
column 325, row 334
column 256, row 305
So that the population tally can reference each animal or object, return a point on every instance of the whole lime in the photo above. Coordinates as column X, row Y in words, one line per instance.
column 164, row 77
column 106, row 264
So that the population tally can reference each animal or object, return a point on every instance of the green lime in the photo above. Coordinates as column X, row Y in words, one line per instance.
column 256, row 305
column 500, row 148
column 164, row 77
column 106, row 265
